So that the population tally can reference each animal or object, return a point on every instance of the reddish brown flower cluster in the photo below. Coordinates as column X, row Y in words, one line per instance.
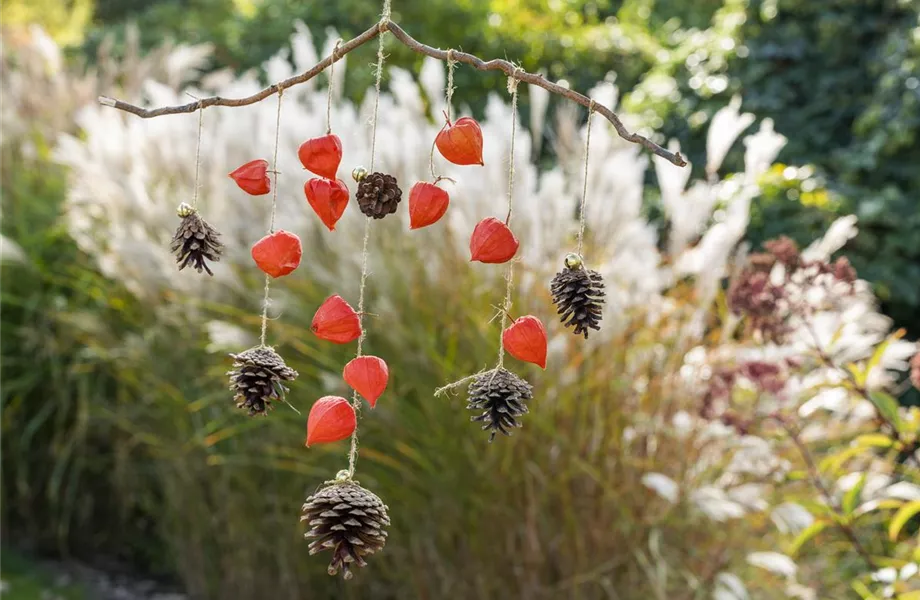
column 768, row 302
column 767, row 377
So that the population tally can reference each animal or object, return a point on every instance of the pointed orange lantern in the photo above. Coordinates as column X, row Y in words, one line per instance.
column 525, row 340
column 331, row 419
column 328, row 199
column 253, row 177
column 321, row 155
column 367, row 375
column 427, row 204
column 336, row 321
column 461, row 142
column 492, row 242
column 278, row 253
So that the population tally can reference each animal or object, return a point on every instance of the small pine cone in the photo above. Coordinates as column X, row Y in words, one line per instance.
column 256, row 379
column 578, row 294
column 378, row 195
column 501, row 396
column 195, row 240
column 349, row 520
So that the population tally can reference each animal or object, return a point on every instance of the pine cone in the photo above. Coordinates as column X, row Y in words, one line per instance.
column 501, row 396
column 578, row 294
column 195, row 240
column 256, row 379
column 348, row 519
column 378, row 195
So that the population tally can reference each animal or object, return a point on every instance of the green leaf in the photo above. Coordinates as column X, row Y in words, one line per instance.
column 914, row 595
column 877, row 440
column 901, row 518
column 864, row 592
column 859, row 374
column 836, row 460
column 874, row 361
column 851, row 498
column 887, row 406
column 876, row 505
column 805, row 535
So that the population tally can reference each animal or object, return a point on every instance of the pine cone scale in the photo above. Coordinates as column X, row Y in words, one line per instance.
column 195, row 242
column 500, row 396
column 349, row 520
column 256, row 379
column 578, row 294
column 378, row 195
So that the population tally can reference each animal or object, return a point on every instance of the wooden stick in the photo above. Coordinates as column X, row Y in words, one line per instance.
column 386, row 25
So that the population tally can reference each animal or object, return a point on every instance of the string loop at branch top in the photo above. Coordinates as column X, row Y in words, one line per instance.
column 584, row 191
column 335, row 49
column 271, row 223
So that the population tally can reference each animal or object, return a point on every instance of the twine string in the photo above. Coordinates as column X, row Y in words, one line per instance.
column 271, row 222
column 584, row 191
column 449, row 94
column 331, row 80
column 355, row 398
column 198, row 155
column 509, row 274
column 512, row 89
column 384, row 20
column 450, row 79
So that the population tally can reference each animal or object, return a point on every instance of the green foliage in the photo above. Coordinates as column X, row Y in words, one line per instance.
column 61, row 473
column 842, row 79
column 25, row 580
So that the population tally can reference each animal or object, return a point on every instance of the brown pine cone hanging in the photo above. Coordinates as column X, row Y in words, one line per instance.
column 256, row 379
column 195, row 240
column 501, row 396
column 378, row 193
column 578, row 294
column 349, row 520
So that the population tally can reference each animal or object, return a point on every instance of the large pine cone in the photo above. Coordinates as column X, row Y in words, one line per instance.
column 501, row 396
column 378, row 195
column 578, row 294
column 349, row 520
column 256, row 379
column 195, row 241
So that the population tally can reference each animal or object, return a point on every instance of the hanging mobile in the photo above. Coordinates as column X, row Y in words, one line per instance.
column 342, row 516
column 578, row 292
column 258, row 374
column 498, row 395
column 195, row 241
column 428, row 202
column 327, row 195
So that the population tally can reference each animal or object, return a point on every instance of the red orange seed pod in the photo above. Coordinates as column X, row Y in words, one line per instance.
column 328, row 198
column 253, row 177
column 336, row 321
column 331, row 419
column 492, row 242
column 321, row 155
column 525, row 340
column 461, row 142
column 278, row 253
column 427, row 204
column 367, row 375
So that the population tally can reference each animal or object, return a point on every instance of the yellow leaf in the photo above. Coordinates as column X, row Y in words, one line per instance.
column 901, row 518
column 878, row 440
column 806, row 534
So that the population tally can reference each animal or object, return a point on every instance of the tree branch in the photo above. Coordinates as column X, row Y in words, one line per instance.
column 815, row 475
column 386, row 25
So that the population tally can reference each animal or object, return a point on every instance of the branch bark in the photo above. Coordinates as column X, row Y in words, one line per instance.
column 386, row 25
